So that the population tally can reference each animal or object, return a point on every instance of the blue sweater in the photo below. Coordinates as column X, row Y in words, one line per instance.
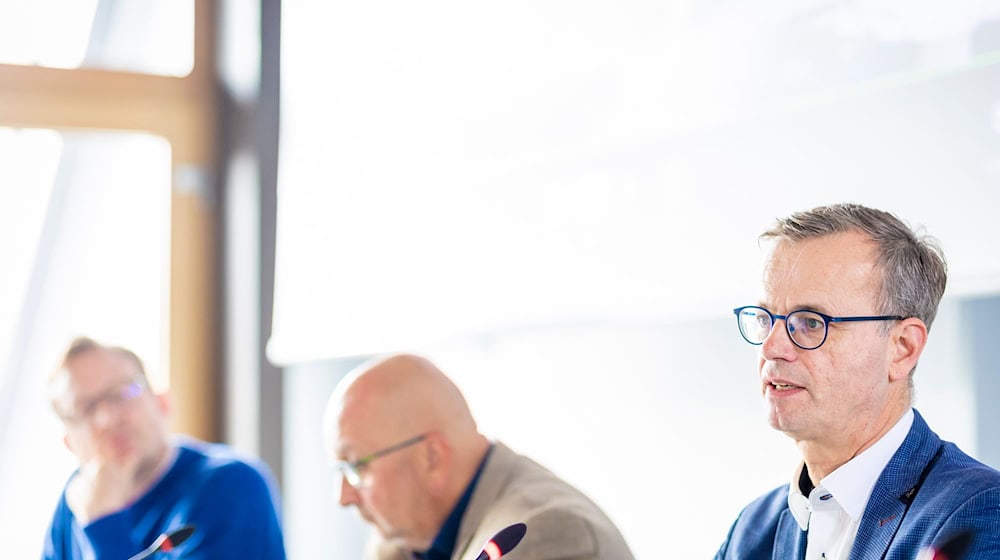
column 230, row 501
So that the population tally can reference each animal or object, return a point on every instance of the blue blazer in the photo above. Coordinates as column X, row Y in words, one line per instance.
column 928, row 492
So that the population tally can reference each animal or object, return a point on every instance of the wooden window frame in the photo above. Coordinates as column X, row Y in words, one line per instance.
column 184, row 111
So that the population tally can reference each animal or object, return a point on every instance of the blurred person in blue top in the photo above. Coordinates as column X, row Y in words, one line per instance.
column 849, row 295
column 136, row 482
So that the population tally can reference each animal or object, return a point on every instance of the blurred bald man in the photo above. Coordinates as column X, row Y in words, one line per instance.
column 416, row 467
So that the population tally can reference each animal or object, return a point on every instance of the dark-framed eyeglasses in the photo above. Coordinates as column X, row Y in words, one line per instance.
column 115, row 399
column 352, row 470
column 807, row 329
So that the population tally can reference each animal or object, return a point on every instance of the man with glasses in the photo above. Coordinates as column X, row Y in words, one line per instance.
column 849, row 294
column 412, row 461
column 136, row 483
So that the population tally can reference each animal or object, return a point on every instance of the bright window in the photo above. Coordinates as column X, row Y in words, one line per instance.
column 148, row 36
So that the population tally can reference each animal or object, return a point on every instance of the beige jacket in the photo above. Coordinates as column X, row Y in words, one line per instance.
column 562, row 523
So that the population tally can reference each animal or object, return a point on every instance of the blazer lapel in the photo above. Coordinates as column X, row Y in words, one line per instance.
column 887, row 505
column 491, row 483
column 789, row 540
column 879, row 523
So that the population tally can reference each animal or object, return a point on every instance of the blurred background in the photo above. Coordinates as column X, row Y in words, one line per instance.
column 558, row 202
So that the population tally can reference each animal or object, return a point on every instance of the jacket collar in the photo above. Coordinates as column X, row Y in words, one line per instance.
column 494, row 478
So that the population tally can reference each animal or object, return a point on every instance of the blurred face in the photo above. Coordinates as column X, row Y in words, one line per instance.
column 109, row 413
column 391, row 493
column 837, row 391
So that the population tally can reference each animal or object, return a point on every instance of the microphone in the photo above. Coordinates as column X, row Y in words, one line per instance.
column 503, row 542
column 954, row 548
column 166, row 542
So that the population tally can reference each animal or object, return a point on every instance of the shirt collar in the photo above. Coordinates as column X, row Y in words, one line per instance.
column 852, row 483
column 798, row 504
column 444, row 543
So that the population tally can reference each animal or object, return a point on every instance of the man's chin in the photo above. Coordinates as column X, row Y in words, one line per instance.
column 123, row 457
column 116, row 447
column 398, row 539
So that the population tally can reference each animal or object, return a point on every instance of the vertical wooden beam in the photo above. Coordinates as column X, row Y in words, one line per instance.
column 193, row 320
column 194, row 260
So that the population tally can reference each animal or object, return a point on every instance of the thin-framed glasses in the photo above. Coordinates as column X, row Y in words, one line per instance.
column 352, row 470
column 114, row 399
column 806, row 329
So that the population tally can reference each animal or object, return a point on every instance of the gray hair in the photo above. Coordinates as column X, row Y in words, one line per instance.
column 912, row 266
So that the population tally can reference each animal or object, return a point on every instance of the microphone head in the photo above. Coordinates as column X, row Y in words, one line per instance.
column 181, row 535
column 166, row 542
column 503, row 542
column 175, row 538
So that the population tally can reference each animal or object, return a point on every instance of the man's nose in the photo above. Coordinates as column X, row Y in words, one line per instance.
column 778, row 345
column 348, row 493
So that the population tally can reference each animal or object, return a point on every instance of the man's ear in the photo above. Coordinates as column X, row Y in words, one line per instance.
column 163, row 403
column 68, row 444
column 438, row 457
column 908, row 339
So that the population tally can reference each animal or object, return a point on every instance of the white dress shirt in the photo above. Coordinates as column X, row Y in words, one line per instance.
column 833, row 510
